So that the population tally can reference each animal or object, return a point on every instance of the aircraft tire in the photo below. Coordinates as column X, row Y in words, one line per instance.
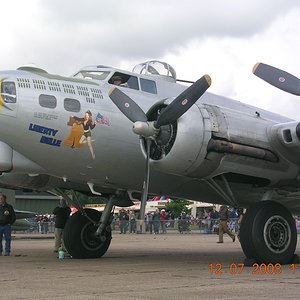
column 274, row 234
column 79, row 238
column 246, row 231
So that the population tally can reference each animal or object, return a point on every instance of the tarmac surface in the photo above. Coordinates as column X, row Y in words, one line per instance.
column 144, row 266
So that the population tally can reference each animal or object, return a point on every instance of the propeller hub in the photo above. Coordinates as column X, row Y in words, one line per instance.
column 145, row 129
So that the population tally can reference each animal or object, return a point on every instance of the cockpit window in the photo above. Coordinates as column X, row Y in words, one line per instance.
column 95, row 75
column 8, row 92
column 148, row 86
column 124, row 80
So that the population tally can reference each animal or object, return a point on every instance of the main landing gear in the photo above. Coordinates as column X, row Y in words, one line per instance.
column 87, row 233
column 80, row 235
column 268, row 233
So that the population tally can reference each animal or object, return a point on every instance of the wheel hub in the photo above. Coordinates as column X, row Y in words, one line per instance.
column 277, row 234
column 89, row 237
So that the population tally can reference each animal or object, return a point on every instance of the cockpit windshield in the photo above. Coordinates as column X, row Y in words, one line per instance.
column 94, row 75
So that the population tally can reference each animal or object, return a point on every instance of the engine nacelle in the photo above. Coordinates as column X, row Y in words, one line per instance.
column 285, row 137
column 189, row 145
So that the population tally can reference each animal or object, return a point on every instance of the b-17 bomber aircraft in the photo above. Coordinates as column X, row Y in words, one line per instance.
column 127, row 135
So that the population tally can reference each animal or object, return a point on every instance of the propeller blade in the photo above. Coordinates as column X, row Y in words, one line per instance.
column 146, row 181
column 127, row 106
column 278, row 78
column 183, row 102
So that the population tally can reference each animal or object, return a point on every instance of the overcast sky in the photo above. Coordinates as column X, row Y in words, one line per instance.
column 223, row 38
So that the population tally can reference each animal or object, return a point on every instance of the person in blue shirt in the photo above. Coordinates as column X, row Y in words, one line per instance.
column 7, row 218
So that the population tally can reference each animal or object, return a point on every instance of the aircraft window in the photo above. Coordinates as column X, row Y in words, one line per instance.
column 148, row 86
column 72, row 105
column 133, row 83
column 47, row 101
column 8, row 92
column 124, row 80
column 96, row 75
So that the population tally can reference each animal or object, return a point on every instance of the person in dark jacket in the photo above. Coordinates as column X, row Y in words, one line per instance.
column 62, row 214
column 223, row 227
column 7, row 218
column 124, row 221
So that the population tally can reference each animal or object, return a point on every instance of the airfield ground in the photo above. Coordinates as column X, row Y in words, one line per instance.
column 140, row 266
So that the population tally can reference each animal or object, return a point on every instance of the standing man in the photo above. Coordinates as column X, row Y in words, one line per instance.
column 124, row 221
column 62, row 214
column 7, row 218
column 223, row 227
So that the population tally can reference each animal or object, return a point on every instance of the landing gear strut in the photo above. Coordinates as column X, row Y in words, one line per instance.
column 268, row 233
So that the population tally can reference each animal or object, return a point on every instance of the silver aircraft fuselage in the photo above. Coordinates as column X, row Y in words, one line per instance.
column 45, row 142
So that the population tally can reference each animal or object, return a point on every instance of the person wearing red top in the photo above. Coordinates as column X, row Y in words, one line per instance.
column 163, row 220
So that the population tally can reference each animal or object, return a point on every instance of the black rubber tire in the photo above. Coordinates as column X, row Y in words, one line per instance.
column 79, row 238
column 269, row 233
column 274, row 234
column 246, row 230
